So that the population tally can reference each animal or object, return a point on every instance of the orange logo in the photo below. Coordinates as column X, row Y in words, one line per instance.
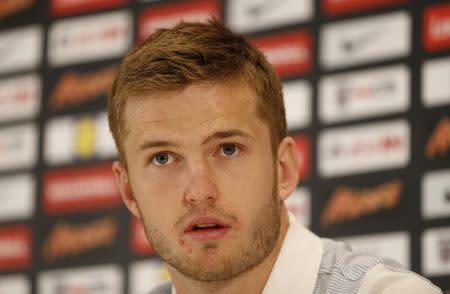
column 75, row 88
column 8, row 7
column 348, row 203
column 439, row 141
column 68, row 239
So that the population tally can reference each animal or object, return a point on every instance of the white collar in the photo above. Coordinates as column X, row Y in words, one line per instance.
column 297, row 264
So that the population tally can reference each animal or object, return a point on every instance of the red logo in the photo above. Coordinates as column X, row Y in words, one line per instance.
column 165, row 16
column 304, row 155
column 139, row 241
column 334, row 7
column 289, row 53
column 81, row 188
column 15, row 247
column 436, row 27
column 64, row 7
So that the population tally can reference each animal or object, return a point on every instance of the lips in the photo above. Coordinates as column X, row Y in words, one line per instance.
column 206, row 228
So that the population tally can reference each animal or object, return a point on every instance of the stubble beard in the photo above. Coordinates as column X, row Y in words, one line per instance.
column 264, row 233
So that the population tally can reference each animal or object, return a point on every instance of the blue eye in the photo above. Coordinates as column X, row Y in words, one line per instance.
column 162, row 159
column 229, row 149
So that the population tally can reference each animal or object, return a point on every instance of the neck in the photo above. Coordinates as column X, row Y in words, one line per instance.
column 251, row 281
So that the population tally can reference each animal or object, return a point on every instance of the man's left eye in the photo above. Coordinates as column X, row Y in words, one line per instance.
column 229, row 150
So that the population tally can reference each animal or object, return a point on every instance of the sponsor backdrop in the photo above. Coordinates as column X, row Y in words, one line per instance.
column 367, row 92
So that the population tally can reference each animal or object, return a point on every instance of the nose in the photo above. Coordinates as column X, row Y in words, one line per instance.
column 201, row 188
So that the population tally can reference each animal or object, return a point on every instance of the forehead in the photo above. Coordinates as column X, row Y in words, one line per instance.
column 193, row 110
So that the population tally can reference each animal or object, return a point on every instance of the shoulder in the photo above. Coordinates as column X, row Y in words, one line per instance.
column 381, row 279
column 165, row 288
column 345, row 271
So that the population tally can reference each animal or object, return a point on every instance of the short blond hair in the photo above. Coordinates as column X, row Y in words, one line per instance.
column 171, row 59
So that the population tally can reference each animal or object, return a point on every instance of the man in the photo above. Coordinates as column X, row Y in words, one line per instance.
column 205, row 162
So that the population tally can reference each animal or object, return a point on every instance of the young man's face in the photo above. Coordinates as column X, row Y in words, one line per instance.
column 202, row 177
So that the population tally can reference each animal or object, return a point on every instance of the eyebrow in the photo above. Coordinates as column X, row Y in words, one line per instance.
column 216, row 135
column 226, row 134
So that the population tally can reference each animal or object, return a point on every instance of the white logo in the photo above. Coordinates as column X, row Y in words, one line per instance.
column 20, row 97
column 251, row 15
column 69, row 138
column 17, row 197
column 392, row 245
column 20, row 49
column 436, row 252
column 147, row 274
column 18, row 147
column 364, row 148
column 297, row 102
column 365, row 40
column 90, row 38
column 14, row 284
column 436, row 82
column 299, row 204
column 436, row 194
column 107, row 279
column 364, row 94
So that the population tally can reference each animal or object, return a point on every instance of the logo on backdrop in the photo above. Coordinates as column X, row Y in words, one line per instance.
column 105, row 279
column 9, row 7
column 68, row 139
column 15, row 247
column 14, row 284
column 290, row 53
column 439, row 142
column 334, row 7
column 364, row 148
column 21, row 49
column 347, row 203
column 67, row 239
column 369, row 39
column 168, row 15
column 436, row 194
column 297, row 101
column 364, row 94
column 18, row 147
column 20, row 97
column 435, row 85
column 17, row 197
column 252, row 15
column 90, row 38
column 436, row 27
column 394, row 245
column 64, row 7
column 436, row 252
column 79, row 189
column 75, row 88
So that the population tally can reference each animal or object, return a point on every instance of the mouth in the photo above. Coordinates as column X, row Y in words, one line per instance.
column 206, row 228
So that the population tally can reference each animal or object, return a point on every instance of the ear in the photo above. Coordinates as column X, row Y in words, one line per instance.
column 123, row 182
column 287, row 166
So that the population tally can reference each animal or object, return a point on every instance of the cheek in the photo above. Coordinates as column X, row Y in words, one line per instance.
column 159, row 201
column 246, row 188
